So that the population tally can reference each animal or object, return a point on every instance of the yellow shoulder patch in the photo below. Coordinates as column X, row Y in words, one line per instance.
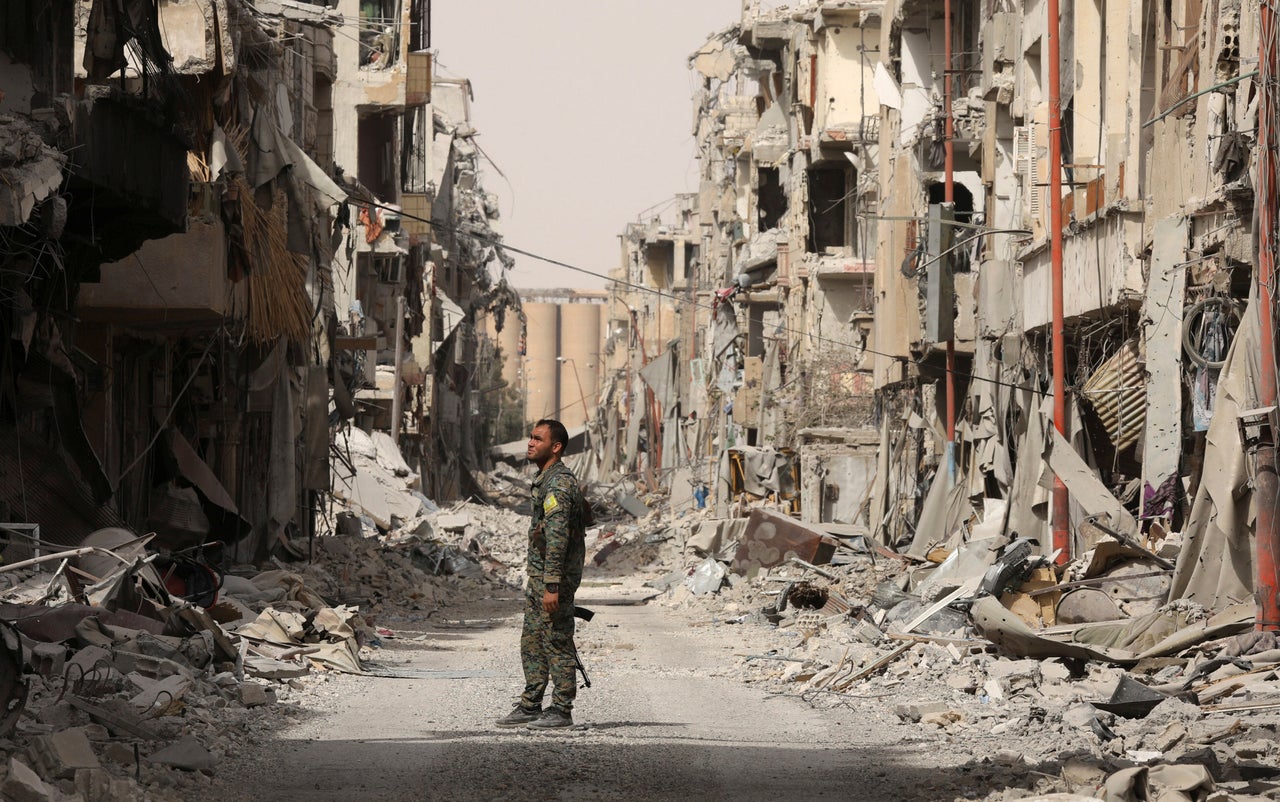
column 549, row 503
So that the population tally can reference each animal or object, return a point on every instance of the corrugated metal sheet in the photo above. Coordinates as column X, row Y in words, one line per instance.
column 1117, row 394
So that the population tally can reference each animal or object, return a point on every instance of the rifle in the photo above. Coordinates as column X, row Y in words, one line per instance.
column 585, row 615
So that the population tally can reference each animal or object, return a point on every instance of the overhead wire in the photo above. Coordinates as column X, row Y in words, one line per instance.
column 497, row 242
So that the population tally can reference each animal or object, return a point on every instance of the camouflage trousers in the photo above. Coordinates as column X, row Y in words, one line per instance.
column 547, row 651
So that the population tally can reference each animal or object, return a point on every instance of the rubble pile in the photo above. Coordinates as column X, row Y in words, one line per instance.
column 135, row 685
column 394, row 544
column 1142, row 700
column 117, row 690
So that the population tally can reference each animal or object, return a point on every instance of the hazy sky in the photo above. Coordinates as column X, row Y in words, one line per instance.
column 585, row 106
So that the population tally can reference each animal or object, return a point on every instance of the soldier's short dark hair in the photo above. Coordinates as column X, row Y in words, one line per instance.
column 559, row 434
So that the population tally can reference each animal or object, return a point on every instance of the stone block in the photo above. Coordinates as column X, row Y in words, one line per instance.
column 59, row 754
column 914, row 711
column 24, row 785
column 453, row 522
column 47, row 659
column 253, row 694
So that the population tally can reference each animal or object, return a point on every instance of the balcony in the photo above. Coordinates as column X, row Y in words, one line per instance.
column 176, row 282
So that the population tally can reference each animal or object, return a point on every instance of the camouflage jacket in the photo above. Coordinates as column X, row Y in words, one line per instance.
column 556, row 546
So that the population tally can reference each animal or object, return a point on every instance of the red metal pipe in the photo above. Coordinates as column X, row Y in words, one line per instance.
column 813, row 83
column 1060, row 507
column 1266, row 543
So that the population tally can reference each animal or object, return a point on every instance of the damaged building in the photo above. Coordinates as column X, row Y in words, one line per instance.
column 749, row 306
column 856, row 320
column 234, row 235
column 412, row 283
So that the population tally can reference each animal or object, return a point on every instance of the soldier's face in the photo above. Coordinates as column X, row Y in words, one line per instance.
column 540, row 443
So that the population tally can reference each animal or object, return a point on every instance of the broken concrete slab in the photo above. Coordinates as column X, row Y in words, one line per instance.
column 59, row 754
column 253, row 694
column 24, row 785
column 634, row 506
column 88, row 659
column 59, row 715
column 154, row 667
column 187, row 754
column 59, row 624
column 162, row 697
column 453, row 522
column 267, row 668
column 914, row 711
column 116, row 716
column 97, row 785
column 388, row 455
column 119, row 753
column 1171, row 736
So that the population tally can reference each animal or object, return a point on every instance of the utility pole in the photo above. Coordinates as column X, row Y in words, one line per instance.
column 1060, row 506
column 397, row 398
column 949, row 197
column 1266, row 542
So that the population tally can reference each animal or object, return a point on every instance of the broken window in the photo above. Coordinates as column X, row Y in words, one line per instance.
column 387, row 266
column 420, row 25
column 830, row 191
column 660, row 259
column 376, row 139
column 413, row 151
column 379, row 33
column 771, row 198
column 963, row 210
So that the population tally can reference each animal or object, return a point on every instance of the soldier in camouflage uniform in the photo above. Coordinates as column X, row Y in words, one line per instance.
column 556, row 554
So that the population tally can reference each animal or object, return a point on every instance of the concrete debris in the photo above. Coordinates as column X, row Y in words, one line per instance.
column 24, row 785
column 253, row 694
column 967, row 677
column 60, row 754
column 838, row 631
column 187, row 754
column 163, row 697
column 634, row 506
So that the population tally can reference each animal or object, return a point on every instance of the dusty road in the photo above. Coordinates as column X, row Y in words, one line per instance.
column 665, row 720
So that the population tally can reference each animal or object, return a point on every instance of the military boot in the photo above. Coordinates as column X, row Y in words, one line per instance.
column 553, row 718
column 519, row 717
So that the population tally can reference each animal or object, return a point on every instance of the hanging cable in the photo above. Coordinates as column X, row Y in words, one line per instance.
column 497, row 242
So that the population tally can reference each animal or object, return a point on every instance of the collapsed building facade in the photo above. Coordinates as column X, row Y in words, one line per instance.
column 757, row 293
column 874, row 231
column 230, row 228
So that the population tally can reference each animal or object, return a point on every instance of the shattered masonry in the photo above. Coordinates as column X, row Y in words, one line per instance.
column 247, row 279
column 777, row 340
column 245, row 254
column 781, row 334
